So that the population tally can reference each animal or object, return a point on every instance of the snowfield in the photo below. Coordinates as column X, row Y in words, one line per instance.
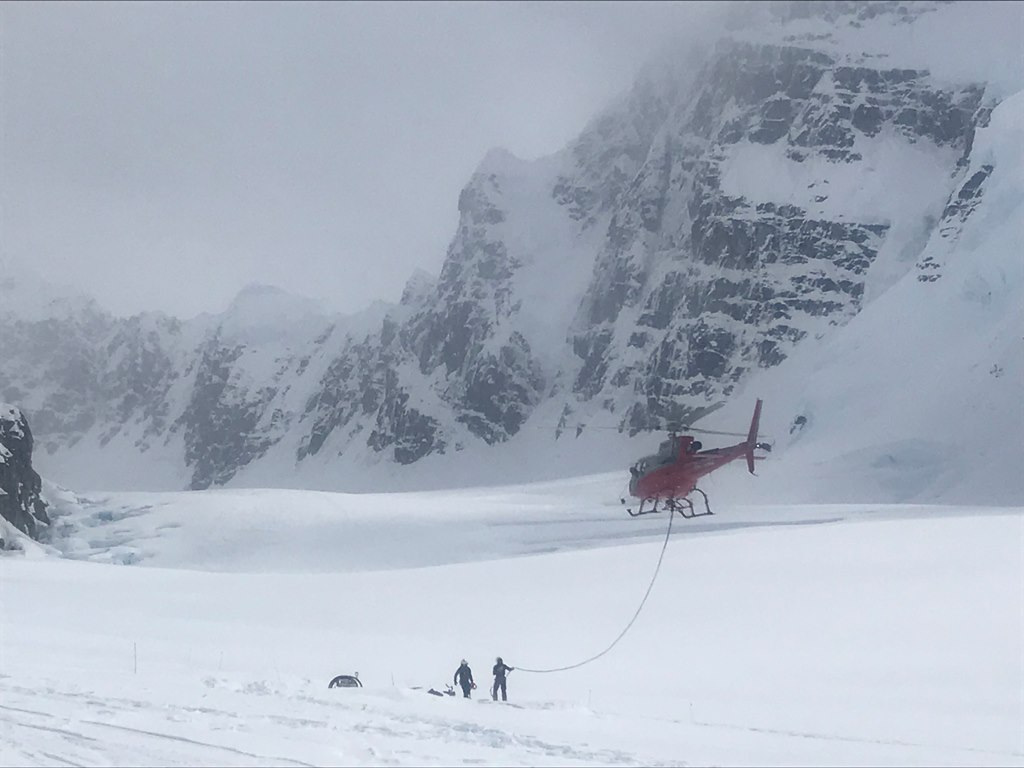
column 884, row 627
column 812, row 634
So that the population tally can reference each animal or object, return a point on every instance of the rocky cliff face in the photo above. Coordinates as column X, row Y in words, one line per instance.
column 20, row 486
column 707, row 272
column 726, row 209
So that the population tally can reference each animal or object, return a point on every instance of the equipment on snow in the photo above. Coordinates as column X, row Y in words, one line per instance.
column 346, row 681
column 448, row 691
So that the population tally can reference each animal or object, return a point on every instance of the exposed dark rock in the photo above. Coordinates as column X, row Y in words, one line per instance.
column 734, row 302
column 958, row 209
column 20, row 485
column 410, row 433
column 221, row 418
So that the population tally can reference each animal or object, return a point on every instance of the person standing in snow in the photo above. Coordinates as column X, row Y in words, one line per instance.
column 500, row 669
column 464, row 678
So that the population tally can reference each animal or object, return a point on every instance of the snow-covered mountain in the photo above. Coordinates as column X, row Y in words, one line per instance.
column 713, row 231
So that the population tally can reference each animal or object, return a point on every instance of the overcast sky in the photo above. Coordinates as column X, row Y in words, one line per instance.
column 163, row 155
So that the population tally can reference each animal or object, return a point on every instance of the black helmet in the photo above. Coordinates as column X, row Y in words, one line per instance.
column 499, row 660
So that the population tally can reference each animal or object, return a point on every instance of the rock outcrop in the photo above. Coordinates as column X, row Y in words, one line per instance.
column 20, row 485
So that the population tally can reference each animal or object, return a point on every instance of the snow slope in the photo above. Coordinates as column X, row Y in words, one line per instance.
column 919, row 396
column 867, row 635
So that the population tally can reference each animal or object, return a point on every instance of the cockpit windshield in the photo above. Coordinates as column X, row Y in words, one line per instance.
column 668, row 449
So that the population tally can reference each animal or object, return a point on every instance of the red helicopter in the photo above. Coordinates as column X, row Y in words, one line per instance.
column 670, row 476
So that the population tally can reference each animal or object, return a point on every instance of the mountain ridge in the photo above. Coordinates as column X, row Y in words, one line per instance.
column 695, row 234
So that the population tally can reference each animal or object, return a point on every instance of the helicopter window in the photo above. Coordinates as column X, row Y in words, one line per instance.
column 666, row 452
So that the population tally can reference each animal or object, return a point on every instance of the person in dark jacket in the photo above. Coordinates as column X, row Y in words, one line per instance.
column 464, row 678
column 500, row 668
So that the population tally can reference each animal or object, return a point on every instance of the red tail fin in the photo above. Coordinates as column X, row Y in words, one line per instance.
column 752, row 436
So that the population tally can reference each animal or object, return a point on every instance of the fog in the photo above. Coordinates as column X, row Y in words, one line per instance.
column 161, row 156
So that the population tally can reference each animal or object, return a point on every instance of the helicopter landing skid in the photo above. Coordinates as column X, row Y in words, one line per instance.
column 683, row 506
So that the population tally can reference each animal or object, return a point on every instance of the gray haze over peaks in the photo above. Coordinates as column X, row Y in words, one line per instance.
column 163, row 156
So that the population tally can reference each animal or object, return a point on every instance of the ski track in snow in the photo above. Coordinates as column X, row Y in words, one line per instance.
column 89, row 741
column 78, row 737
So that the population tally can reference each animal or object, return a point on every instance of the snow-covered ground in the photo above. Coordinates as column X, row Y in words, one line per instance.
column 837, row 634
column 203, row 628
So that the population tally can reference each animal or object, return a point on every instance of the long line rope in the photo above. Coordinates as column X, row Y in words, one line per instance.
column 622, row 634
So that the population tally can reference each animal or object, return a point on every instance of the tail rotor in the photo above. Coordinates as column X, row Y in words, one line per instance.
column 752, row 443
